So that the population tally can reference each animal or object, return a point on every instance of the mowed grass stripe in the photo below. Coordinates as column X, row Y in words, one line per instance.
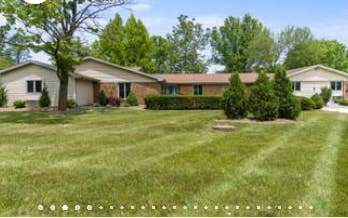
column 321, row 187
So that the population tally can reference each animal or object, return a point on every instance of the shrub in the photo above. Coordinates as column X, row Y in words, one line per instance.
column 263, row 103
column 326, row 94
column 318, row 101
column 114, row 102
column 71, row 103
column 132, row 99
column 103, row 101
column 19, row 104
column 289, row 106
column 306, row 103
column 182, row 102
column 3, row 96
column 44, row 100
column 234, row 100
column 343, row 102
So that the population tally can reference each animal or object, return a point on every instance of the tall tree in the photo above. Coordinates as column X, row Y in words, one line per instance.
column 127, row 45
column 160, row 56
column 17, row 48
column 52, row 27
column 327, row 52
column 187, row 41
column 291, row 37
column 5, row 57
column 235, row 41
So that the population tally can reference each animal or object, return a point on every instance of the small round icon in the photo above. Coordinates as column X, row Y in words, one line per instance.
column 34, row 2
column 65, row 207
column 52, row 207
column 77, row 207
column 89, row 207
column 40, row 207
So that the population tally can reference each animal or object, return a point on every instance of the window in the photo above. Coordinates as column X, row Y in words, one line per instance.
column 197, row 89
column 336, row 86
column 34, row 86
column 296, row 86
column 171, row 90
column 124, row 90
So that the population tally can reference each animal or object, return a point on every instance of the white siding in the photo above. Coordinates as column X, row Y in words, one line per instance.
column 313, row 80
column 15, row 83
column 84, row 92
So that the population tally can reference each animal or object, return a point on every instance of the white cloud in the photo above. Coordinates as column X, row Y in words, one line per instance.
column 332, row 29
column 137, row 7
column 2, row 20
column 209, row 21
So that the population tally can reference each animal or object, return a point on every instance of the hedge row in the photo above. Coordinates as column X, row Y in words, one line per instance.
column 182, row 102
column 343, row 102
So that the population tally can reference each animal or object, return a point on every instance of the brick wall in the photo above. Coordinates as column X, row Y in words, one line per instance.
column 208, row 89
column 143, row 89
column 346, row 89
column 110, row 89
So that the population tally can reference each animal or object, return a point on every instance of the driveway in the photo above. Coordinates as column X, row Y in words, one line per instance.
column 335, row 108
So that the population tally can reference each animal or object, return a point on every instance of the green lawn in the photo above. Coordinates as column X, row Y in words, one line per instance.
column 133, row 158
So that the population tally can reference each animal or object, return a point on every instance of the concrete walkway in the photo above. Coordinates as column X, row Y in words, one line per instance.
column 332, row 107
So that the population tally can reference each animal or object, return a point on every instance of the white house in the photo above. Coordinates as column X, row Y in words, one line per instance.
column 309, row 80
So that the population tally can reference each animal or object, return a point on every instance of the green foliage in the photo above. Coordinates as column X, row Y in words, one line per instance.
column 71, row 103
column 132, row 99
column 289, row 107
column 127, row 45
column 161, row 54
column 307, row 104
column 103, row 100
column 44, row 100
column 343, row 102
column 263, row 103
column 327, row 52
column 186, row 42
column 242, row 43
column 318, row 101
column 326, row 94
column 19, row 104
column 234, row 100
column 182, row 102
column 3, row 96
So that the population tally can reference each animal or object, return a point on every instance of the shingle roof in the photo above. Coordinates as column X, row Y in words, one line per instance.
column 217, row 78
column 37, row 63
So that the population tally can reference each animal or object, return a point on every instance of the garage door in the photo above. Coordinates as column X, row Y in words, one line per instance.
column 84, row 92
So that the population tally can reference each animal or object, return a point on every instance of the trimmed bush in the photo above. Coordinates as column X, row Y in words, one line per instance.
column 182, row 102
column 263, row 103
column 318, row 101
column 132, row 99
column 3, row 96
column 289, row 106
column 44, row 100
column 307, row 104
column 19, row 104
column 103, row 100
column 326, row 94
column 343, row 102
column 114, row 102
column 71, row 103
column 234, row 100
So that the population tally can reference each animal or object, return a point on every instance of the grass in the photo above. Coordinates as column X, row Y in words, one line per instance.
column 133, row 158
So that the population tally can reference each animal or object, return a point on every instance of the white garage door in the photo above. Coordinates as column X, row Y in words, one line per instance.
column 84, row 92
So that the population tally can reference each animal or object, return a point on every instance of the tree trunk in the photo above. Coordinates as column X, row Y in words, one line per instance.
column 63, row 93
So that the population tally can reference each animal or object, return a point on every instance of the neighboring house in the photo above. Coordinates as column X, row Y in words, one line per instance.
column 25, row 82
column 309, row 80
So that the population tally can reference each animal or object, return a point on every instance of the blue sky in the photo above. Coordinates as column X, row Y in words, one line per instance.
column 327, row 19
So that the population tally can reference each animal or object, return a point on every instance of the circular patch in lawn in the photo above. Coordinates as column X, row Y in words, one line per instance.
column 250, row 121
column 224, row 128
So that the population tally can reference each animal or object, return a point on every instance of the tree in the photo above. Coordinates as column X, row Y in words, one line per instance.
column 263, row 103
column 237, row 39
column 289, row 106
column 45, row 100
column 318, row 101
column 160, row 56
column 327, row 52
column 17, row 48
column 234, row 100
column 291, row 37
column 186, row 42
column 52, row 27
column 127, row 45
column 5, row 57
